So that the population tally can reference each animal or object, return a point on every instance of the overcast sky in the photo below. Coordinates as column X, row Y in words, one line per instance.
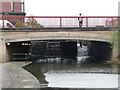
column 71, row 7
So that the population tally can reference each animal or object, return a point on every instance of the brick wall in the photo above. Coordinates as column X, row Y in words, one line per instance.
column 112, row 23
column 6, row 7
column 17, row 7
column 0, row 6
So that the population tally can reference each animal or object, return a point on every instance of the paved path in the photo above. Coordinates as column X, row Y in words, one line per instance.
column 14, row 76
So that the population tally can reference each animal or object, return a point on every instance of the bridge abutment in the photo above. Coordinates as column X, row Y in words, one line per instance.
column 101, row 50
column 3, row 51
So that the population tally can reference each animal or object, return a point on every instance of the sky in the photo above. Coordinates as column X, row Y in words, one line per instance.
column 71, row 7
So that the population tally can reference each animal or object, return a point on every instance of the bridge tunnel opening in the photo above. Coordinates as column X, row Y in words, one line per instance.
column 38, row 50
column 53, row 49
column 98, row 51
column 43, row 50
column 18, row 51
column 68, row 49
column 101, row 51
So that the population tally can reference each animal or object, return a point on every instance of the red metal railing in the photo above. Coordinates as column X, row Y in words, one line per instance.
column 61, row 21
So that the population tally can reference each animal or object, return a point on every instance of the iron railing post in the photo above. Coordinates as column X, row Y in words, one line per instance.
column 86, row 24
column 60, row 22
column 112, row 22
column 2, row 21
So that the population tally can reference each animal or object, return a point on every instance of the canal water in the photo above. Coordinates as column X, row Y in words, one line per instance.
column 81, row 72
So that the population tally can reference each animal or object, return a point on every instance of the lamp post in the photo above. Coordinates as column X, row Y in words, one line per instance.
column 12, row 5
column 23, row 5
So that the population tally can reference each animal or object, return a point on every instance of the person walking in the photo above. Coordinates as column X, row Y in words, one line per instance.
column 80, row 21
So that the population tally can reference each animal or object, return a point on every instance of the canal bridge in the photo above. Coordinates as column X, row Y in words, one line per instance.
column 45, row 28
column 103, row 36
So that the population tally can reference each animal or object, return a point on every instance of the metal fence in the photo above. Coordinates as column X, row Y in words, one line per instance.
column 61, row 21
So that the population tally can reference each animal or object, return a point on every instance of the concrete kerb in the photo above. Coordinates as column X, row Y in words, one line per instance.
column 14, row 76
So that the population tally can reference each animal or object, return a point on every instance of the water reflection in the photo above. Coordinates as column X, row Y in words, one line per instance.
column 77, row 80
column 80, row 72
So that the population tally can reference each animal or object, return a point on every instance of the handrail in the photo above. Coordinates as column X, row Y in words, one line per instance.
column 26, row 56
column 6, row 16
column 63, row 21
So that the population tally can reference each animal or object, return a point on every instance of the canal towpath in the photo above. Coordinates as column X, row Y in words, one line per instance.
column 14, row 76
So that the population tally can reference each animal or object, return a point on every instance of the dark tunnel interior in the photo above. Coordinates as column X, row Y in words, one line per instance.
column 18, row 50
column 68, row 50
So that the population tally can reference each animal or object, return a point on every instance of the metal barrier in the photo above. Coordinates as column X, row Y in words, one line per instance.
column 20, row 56
column 62, row 21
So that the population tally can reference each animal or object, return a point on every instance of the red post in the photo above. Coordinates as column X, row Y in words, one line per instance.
column 106, row 23
column 86, row 23
column 112, row 22
column 60, row 22
column 3, row 21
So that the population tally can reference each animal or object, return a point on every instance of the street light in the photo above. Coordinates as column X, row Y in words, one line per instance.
column 12, row 5
column 23, row 5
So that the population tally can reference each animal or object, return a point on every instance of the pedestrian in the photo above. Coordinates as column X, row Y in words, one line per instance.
column 80, row 21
